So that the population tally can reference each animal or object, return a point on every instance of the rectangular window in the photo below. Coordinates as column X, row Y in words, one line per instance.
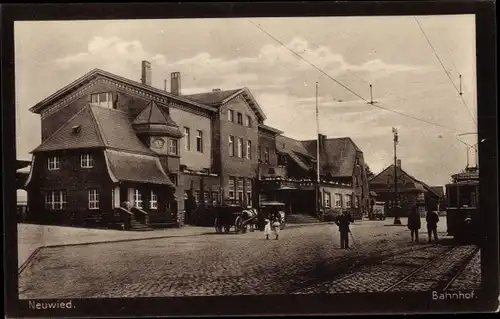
column 55, row 200
column 231, row 188
column 86, row 161
column 348, row 201
column 240, row 147
column 240, row 118
column 230, row 115
column 249, row 121
column 53, row 163
column 197, row 196
column 266, row 155
column 241, row 183
column 153, row 202
column 102, row 99
column 356, row 202
column 259, row 154
column 173, row 146
column 173, row 179
column 338, row 200
column 249, row 150
column 187, row 139
column 327, row 197
column 206, row 197
column 137, row 198
column 356, row 181
column 248, row 189
column 215, row 196
column 93, row 199
column 231, row 145
column 199, row 141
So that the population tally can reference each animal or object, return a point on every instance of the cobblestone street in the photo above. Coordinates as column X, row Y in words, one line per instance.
column 303, row 260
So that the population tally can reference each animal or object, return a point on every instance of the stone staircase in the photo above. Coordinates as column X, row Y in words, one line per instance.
column 138, row 226
column 301, row 219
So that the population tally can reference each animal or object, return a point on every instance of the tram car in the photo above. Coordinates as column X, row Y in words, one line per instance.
column 462, row 205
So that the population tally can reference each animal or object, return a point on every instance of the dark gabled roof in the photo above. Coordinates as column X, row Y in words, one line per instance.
column 153, row 119
column 284, row 143
column 116, row 131
column 99, row 127
column 295, row 150
column 40, row 106
column 337, row 156
column 88, row 137
column 417, row 184
column 129, row 167
column 219, row 98
column 272, row 130
column 214, row 98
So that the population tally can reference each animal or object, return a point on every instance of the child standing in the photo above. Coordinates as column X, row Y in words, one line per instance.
column 267, row 228
column 276, row 227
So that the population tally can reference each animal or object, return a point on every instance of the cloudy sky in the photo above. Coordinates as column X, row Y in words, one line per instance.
column 391, row 53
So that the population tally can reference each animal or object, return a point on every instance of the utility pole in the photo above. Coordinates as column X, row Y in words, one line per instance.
column 395, row 206
column 317, row 155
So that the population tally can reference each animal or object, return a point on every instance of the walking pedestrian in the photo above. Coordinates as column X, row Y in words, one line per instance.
column 414, row 224
column 267, row 227
column 432, row 219
column 343, row 222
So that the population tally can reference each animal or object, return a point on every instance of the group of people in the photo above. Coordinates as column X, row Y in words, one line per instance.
column 414, row 224
column 273, row 225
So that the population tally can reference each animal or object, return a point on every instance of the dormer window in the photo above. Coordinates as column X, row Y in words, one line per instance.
column 76, row 129
column 53, row 163
column 102, row 99
column 86, row 160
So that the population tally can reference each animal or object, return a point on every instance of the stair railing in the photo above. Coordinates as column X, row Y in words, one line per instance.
column 143, row 215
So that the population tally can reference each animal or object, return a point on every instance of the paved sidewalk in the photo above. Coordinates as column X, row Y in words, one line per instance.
column 32, row 237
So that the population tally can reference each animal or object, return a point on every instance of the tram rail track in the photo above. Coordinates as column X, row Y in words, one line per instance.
column 446, row 279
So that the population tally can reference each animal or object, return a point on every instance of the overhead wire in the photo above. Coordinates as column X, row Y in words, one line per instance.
column 445, row 71
column 377, row 105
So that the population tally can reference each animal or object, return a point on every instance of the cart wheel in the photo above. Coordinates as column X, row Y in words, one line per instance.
column 227, row 229
column 238, row 225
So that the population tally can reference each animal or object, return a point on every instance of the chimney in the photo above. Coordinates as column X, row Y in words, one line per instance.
column 216, row 90
column 399, row 163
column 175, row 83
column 165, row 85
column 146, row 73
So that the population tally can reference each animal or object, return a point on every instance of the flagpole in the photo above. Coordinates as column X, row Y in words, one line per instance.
column 317, row 154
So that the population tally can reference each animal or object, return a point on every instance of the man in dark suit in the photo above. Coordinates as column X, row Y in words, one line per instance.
column 343, row 222
column 432, row 219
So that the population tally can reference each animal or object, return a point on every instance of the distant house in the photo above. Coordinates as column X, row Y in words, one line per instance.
column 290, row 175
column 441, row 203
column 411, row 191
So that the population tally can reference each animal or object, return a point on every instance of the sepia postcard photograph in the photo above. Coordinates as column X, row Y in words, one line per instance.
column 251, row 160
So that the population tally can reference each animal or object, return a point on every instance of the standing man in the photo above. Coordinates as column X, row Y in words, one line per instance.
column 432, row 219
column 414, row 223
column 343, row 222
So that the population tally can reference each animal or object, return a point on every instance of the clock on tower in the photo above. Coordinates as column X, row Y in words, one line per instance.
column 158, row 143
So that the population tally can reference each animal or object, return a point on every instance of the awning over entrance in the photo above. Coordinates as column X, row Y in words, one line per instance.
column 286, row 188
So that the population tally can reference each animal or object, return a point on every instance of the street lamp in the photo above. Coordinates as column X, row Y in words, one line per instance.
column 395, row 207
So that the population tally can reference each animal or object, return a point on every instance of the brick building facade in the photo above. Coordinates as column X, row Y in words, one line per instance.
column 115, row 149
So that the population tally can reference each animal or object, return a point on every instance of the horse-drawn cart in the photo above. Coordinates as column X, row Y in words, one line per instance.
column 233, row 217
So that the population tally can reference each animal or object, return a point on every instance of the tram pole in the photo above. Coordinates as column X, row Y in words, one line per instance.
column 395, row 207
